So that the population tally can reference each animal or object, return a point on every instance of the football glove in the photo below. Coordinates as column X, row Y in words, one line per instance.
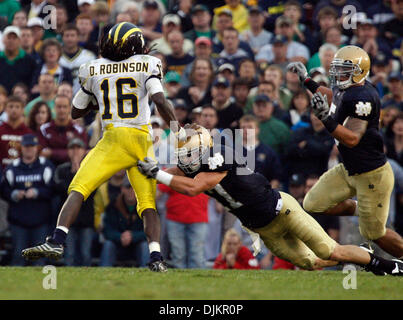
column 298, row 68
column 320, row 106
column 148, row 167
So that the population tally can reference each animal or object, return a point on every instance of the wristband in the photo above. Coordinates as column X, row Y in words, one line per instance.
column 311, row 85
column 330, row 124
column 164, row 177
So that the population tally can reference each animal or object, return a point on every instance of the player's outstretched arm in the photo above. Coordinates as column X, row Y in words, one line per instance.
column 307, row 82
column 201, row 182
column 166, row 110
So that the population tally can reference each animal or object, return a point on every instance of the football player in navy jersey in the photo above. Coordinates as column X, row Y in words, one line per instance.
column 350, row 112
column 286, row 229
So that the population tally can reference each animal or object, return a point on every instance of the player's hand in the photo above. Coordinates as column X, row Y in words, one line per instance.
column 299, row 69
column 320, row 106
column 148, row 167
column 31, row 193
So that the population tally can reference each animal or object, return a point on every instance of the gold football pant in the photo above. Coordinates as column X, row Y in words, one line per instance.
column 373, row 190
column 120, row 148
column 295, row 236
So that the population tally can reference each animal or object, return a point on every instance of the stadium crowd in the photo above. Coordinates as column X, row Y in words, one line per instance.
column 224, row 65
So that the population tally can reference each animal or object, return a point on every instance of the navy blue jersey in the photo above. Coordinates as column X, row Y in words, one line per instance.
column 360, row 102
column 246, row 194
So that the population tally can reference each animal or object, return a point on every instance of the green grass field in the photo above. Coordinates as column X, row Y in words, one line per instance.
column 139, row 284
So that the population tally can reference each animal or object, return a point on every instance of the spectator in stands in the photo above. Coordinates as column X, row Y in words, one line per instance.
column 47, row 93
column 107, row 193
column 39, row 115
column 170, row 23
column 240, row 92
column 178, row 59
column 282, row 95
column 36, row 26
column 12, row 130
column 183, row 9
column 331, row 224
column 123, row 230
column 61, row 20
column 201, row 19
column 27, row 187
column 73, row 55
column 35, row 9
column 27, row 44
column 3, row 101
column 228, row 113
column 181, row 111
column 247, row 69
column 293, row 11
column 299, row 110
column 393, row 29
column 333, row 37
column 203, row 49
column 84, row 6
column 224, row 21
column 201, row 77
column 21, row 90
column 309, row 149
column 56, row 134
column 20, row 19
column 394, row 140
column 267, row 161
column 14, row 62
column 234, row 255
column 380, row 68
column 186, row 221
column 99, row 12
column 296, row 187
column 395, row 97
column 327, row 18
column 208, row 117
column 65, row 89
column 239, row 13
column 337, row 5
column 79, row 239
column 227, row 70
column 7, row 10
column 150, row 17
column 367, row 38
column 85, row 28
column 388, row 114
column 280, row 47
column 232, row 53
column 295, row 51
column 273, row 132
column 51, row 52
column 256, row 36
column 172, row 84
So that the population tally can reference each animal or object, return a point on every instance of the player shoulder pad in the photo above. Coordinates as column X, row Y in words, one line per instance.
column 155, row 70
column 219, row 160
column 84, row 73
column 359, row 101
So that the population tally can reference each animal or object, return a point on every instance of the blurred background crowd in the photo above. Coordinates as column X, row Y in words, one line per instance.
column 224, row 68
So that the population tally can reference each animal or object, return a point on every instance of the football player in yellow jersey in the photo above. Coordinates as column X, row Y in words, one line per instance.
column 121, row 82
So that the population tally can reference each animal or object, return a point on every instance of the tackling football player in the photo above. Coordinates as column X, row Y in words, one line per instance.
column 286, row 229
column 121, row 83
column 352, row 118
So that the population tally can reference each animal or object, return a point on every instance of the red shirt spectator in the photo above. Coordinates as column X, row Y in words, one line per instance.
column 185, row 209
column 234, row 255
column 11, row 132
column 55, row 135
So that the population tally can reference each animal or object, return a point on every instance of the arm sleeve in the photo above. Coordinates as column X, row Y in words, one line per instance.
column 81, row 100
column 154, row 86
column 359, row 106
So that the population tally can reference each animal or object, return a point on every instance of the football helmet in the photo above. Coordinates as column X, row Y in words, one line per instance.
column 124, row 30
column 190, row 152
column 350, row 65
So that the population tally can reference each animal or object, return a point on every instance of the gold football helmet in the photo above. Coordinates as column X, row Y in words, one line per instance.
column 350, row 65
column 191, row 151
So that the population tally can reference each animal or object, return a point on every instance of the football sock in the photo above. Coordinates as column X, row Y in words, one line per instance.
column 155, row 256
column 59, row 235
column 381, row 264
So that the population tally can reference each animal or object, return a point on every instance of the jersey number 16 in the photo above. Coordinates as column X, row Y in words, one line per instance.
column 120, row 99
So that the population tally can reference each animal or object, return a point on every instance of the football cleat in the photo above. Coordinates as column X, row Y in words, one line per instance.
column 398, row 270
column 158, row 266
column 45, row 250
column 367, row 247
